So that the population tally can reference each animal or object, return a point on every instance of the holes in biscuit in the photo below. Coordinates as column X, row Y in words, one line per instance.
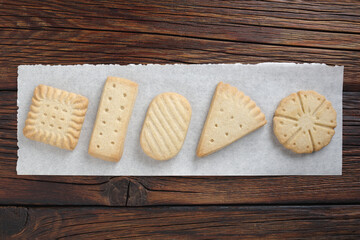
column 240, row 125
column 318, row 99
column 305, row 96
column 57, row 108
column 331, row 121
column 294, row 144
column 114, row 85
column 226, row 134
column 284, row 110
column 45, row 114
column 59, row 128
column 112, row 142
column 296, row 124
column 47, row 105
column 119, row 119
column 317, row 118
column 122, row 107
column 106, row 109
column 124, row 95
column 64, row 110
column 281, row 122
column 307, row 146
column 232, row 117
column 319, row 143
column 98, row 146
column 285, row 135
column 329, row 133
column 221, row 110
column 116, row 130
column 51, row 125
column 211, row 140
column 293, row 99
column 62, row 119
column 110, row 98
column 304, row 132
column 216, row 125
column 327, row 108
column 104, row 122
column 42, row 123
column 53, row 116
column 100, row 133
column 314, row 128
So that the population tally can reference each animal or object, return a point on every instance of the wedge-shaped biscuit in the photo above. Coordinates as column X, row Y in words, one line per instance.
column 304, row 122
column 55, row 117
column 113, row 116
column 165, row 126
column 231, row 116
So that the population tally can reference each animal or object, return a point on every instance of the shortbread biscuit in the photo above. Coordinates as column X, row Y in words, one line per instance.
column 55, row 117
column 165, row 126
column 304, row 122
column 113, row 116
column 231, row 116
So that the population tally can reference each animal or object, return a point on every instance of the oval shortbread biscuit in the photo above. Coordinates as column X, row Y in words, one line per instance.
column 304, row 122
column 165, row 126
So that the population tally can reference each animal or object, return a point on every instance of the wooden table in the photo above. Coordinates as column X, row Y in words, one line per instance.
column 203, row 31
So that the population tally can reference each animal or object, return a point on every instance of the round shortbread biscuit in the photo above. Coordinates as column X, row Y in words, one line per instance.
column 304, row 122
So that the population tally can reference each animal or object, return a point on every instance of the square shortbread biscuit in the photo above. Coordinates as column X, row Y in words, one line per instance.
column 114, row 112
column 55, row 117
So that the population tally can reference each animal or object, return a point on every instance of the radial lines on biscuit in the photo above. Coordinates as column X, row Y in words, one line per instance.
column 318, row 107
column 301, row 103
column 292, row 136
column 324, row 125
column 312, row 139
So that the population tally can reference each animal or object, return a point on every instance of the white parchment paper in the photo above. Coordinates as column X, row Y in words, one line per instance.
column 258, row 153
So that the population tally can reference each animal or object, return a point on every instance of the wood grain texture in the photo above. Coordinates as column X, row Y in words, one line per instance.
column 194, row 31
column 139, row 191
column 185, row 32
column 212, row 222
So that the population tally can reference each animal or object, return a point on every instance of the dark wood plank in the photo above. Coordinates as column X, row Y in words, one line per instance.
column 139, row 191
column 185, row 32
column 199, row 19
column 212, row 222
column 83, row 46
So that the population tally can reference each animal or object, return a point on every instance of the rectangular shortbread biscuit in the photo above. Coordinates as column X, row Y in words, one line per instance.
column 113, row 116
column 55, row 117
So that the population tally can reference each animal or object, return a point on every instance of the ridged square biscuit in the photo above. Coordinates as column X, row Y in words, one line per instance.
column 112, row 119
column 55, row 117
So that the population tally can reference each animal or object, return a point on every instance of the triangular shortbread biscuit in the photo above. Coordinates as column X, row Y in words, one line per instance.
column 231, row 116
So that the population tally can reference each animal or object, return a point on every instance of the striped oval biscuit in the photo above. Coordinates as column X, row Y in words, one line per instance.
column 165, row 126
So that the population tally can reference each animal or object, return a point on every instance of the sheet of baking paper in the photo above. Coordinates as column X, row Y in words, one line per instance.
column 258, row 153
